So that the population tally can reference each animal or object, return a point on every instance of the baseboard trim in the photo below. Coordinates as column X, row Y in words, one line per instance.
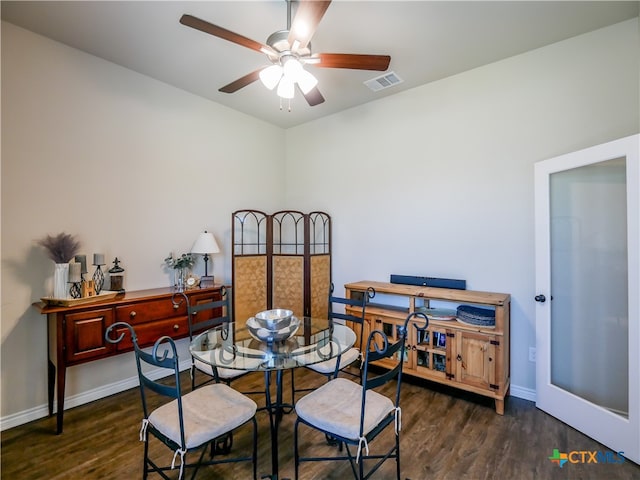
column 42, row 411
column 522, row 392
column 83, row 398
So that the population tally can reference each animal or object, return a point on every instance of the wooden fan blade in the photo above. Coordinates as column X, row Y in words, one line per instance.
column 313, row 97
column 305, row 23
column 242, row 82
column 353, row 61
column 216, row 31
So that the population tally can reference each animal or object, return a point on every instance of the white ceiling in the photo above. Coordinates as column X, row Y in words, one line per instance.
column 427, row 41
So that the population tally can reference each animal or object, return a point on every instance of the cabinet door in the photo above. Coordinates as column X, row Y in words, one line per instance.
column 367, row 328
column 475, row 359
column 84, row 335
column 432, row 352
column 389, row 326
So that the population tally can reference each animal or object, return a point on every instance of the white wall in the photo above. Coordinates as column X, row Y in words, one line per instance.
column 434, row 181
column 438, row 180
column 134, row 167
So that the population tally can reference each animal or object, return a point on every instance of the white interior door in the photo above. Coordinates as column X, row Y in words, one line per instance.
column 588, row 292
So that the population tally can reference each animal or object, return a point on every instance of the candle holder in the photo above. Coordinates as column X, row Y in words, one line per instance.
column 75, row 280
column 98, row 279
column 98, row 275
column 75, row 290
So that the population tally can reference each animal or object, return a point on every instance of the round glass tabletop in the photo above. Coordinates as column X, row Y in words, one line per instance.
column 232, row 346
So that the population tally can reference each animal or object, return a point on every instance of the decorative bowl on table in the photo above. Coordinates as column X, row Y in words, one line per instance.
column 283, row 328
column 275, row 319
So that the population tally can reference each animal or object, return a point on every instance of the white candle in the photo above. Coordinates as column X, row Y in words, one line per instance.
column 98, row 258
column 74, row 272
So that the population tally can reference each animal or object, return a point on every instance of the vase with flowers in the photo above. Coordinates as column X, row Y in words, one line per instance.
column 61, row 249
column 181, row 266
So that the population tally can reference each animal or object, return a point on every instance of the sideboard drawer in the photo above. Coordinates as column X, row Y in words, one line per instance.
column 207, row 314
column 148, row 333
column 149, row 311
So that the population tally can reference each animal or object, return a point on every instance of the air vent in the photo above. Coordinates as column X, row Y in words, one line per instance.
column 383, row 81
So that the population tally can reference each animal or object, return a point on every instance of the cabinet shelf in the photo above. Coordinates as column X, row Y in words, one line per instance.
column 469, row 357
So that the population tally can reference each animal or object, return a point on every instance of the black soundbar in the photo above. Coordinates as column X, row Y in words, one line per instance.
column 429, row 281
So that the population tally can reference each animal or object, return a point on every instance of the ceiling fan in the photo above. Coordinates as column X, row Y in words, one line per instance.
column 288, row 51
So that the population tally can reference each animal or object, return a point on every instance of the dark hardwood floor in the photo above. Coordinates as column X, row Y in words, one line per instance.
column 446, row 434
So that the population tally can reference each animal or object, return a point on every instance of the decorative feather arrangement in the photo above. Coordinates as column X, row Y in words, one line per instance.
column 60, row 248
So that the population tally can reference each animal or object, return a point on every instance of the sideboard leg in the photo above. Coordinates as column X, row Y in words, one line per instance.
column 51, row 384
column 500, row 406
column 60, row 409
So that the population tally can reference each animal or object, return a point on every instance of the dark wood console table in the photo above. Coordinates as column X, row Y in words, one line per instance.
column 76, row 333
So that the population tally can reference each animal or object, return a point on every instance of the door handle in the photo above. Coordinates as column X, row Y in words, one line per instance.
column 540, row 298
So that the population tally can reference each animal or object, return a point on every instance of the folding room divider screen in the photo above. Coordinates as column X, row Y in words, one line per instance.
column 282, row 260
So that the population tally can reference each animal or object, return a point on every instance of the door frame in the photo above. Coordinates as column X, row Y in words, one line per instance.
column 606, row 427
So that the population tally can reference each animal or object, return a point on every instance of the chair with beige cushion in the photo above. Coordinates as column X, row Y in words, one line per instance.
column 189, row 422
column 202, row 317
column 337, row 311
column 355, row 414
column 218, row 313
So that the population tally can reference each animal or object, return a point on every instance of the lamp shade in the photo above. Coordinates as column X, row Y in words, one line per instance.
column 205, row 244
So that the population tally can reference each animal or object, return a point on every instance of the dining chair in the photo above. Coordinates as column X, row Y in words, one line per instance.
column 219, row 313
column 188, row 422
column 338, row 311
column 355, row 414
column 202, row 317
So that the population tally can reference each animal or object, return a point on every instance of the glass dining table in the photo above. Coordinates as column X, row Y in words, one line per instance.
column 232, row 346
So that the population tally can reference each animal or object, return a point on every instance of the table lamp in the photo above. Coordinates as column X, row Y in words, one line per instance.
column 204, row 245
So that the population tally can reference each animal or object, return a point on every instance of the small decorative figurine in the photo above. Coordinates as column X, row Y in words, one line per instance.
column 88, row 289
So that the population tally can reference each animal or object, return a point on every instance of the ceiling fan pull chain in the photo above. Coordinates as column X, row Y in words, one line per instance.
column 289, row 107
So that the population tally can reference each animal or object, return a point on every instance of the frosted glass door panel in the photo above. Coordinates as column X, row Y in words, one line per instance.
column 589, row 275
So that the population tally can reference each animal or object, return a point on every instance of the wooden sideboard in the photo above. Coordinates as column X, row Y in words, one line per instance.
column 76, row 333
column 463, row 356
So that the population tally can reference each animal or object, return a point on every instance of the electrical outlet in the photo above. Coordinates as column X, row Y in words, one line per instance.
column 532, row 354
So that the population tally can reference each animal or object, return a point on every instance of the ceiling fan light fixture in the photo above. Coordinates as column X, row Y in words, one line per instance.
column 291, row 69
column 295, row 73
column 285, row 88
column 270, row 76
column 306, row 81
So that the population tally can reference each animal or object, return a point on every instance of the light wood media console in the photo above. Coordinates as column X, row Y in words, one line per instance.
column 468, row 357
